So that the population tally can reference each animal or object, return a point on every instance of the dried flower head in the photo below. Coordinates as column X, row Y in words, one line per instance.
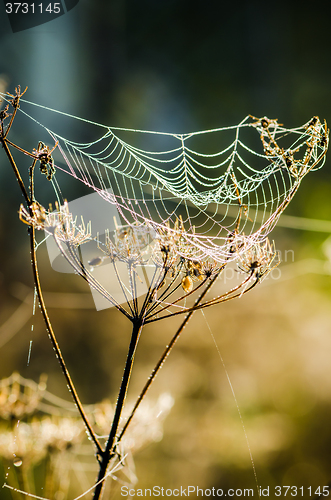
column 16, row 97
column 257, row 259
column 314, row 149
column 60, row 223
column 34, row 434
column 31, row 441
column 128, row 244
column 44, row 155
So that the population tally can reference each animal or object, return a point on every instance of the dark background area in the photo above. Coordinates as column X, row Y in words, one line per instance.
column 181, row 66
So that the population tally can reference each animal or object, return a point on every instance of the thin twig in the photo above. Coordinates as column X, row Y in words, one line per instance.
column 222, row 298
column 122, row 287
column 183, row 297
column 76, row 263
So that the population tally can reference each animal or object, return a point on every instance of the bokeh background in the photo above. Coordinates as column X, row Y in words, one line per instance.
column 180, row 66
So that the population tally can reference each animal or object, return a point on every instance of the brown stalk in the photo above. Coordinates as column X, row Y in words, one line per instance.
column 112, row 442
column 29, row 200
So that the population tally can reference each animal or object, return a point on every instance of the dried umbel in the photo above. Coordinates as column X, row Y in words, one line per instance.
column 257, row 260
column 178, row 258
column 129, row 244
column 312, row 150
column 173, row 242
column 33, row 440
column 27, row 432
column 44, row 155
column 59, row 223
column 36, row 217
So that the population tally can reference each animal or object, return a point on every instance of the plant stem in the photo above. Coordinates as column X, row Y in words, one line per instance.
column 165, row 355
column 111, row 443
column 34, row 264
column 16, row 171
column 55, row 343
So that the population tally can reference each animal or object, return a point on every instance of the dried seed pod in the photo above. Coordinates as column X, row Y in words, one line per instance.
column 187, row 284
column 197, row 274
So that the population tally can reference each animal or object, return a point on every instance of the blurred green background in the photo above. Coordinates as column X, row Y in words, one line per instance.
column 181, row 66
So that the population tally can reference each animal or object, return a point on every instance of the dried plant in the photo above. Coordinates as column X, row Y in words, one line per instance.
column 37, row 427
column 181, row 271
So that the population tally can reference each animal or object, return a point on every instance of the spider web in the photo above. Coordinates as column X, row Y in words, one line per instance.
column 211, row 181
